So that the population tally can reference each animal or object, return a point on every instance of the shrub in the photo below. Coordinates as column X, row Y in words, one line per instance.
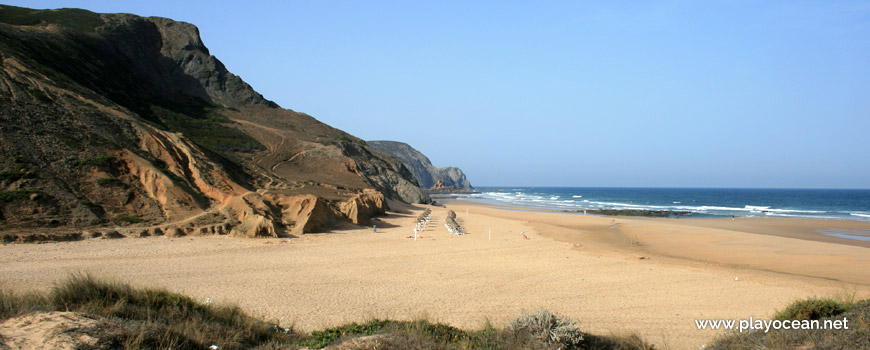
column 8, row 196
column 206, row 128
column 811, row 309
column 20, row 164
column 39, row 95
column 110, row 181
column 15, row 175
column 857, row 336
column 419, row 334
column 100, row 161
column 549, row 328
column 130, row 219
column 76, row 19
column 319, row 339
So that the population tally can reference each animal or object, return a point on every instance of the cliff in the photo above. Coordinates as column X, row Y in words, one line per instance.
column 427, row 175
column 119, row 124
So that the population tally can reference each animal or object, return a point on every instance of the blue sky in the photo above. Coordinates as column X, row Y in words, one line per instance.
column 567, row 93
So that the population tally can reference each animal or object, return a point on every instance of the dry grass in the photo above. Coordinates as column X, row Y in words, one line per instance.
column 542, row 330
column 136, row 318
column 548, row 328
column 148, row 318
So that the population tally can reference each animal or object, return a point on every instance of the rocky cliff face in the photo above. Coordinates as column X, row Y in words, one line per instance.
column 427, row 174
column 453, row 177
column 181, row 43
column 123, row 125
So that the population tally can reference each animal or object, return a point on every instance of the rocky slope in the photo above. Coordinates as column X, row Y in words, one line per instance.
column 428, row 176
column 115, row 124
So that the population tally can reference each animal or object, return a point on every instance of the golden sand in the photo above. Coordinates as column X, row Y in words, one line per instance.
column 613, row 275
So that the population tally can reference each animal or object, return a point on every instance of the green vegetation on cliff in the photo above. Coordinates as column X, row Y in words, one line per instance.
column 77, row 19
column 208, row 129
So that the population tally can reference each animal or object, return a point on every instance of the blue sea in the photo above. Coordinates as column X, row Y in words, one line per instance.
column 844, row 204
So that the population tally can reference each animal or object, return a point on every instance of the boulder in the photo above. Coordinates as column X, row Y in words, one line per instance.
column 112, row 234
column 156, row 231
column 175, row 232
column 255, row 226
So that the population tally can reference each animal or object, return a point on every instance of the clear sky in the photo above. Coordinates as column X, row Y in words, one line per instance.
column 567, row 93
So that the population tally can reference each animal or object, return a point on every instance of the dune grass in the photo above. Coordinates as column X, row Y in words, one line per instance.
column 144, row 318
column 813, row 309
column 856, row 337
column 148, row 318
column 424, row 334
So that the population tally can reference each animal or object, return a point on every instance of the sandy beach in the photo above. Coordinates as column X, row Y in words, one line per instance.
column 612, row 275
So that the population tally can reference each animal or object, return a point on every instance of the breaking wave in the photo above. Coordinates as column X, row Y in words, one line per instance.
column 757, row 203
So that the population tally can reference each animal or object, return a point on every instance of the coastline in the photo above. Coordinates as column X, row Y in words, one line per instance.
column 777, row 245
column 570, row 264
column 826, row 204
column 799, row 228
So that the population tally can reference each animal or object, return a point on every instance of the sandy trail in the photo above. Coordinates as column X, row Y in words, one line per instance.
column 325, row 280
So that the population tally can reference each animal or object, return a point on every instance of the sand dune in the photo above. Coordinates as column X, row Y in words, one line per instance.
column 572, row 265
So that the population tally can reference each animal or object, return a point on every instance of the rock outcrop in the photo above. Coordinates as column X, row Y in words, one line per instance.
column 427, row 175
column 182, row 44
column 123, row 121
column 362, row 207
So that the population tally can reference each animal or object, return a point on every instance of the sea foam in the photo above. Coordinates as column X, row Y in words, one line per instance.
column 815, row 204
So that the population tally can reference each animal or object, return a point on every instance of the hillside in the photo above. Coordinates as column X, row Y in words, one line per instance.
column 427, row 175
column 126, row 124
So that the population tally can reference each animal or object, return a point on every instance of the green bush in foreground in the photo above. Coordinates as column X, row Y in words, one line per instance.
column 856, row 337
column 812, row 309
column 420, row 333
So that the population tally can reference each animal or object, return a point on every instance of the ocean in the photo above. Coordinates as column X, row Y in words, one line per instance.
column 840, row 204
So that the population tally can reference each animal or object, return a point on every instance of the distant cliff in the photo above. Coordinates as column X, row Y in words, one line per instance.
column 127, row 125
column 428, row 176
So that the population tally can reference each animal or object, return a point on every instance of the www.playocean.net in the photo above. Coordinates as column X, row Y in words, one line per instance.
column 752, row 324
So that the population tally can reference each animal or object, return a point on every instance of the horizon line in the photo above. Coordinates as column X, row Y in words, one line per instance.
column 687, row 187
